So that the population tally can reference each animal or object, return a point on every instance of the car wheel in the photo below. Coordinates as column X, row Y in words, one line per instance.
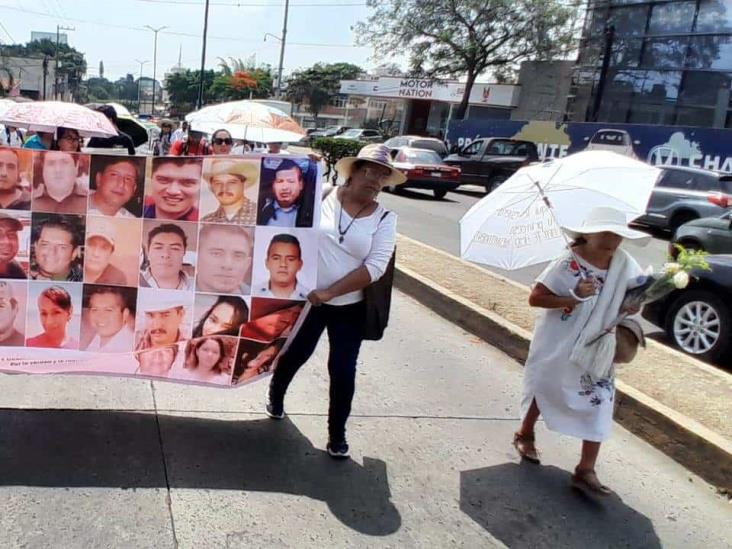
column 698, row 322
column 439, row 193
column 681, row 218
column 495, row 182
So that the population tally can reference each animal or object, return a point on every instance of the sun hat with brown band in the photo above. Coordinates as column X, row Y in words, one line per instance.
column 376, row 154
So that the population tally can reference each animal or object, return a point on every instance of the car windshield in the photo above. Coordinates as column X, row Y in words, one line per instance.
column 431, row 144
column 608, row 138
column 420, row 157
column 507, row 148
column 351, row 133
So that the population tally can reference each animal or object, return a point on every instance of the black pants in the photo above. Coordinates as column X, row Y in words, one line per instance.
column 345, row 325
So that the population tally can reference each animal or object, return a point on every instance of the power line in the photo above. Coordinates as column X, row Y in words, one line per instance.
column 6, row 32
column 235, row 4
column 173, row 33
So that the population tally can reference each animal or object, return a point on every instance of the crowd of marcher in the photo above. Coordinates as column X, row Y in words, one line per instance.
column 356, row 246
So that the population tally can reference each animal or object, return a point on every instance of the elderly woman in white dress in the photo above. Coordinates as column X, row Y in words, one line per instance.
column 569, row 375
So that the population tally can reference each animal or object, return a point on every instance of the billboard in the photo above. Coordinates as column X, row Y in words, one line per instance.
column 707, row 148
column 62, row 37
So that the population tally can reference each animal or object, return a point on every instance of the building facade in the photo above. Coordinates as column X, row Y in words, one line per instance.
column 660, row 62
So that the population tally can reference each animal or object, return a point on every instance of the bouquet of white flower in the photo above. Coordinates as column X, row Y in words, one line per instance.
column 675, row 275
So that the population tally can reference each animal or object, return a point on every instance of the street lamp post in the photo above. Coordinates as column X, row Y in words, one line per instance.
column 282, row 40
column 59, row 28
column 155, row 62
column 199, row 100
column 139, row 84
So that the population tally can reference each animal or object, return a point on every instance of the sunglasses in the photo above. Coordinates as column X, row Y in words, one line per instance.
column 374, row 174
column 222, row 141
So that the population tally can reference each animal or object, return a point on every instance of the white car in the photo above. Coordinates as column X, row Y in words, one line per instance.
column 618, row 141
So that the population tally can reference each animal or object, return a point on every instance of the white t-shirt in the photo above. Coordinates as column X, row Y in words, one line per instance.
column 369, row 241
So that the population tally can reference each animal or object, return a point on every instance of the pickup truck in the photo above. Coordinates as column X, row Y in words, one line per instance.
column 488, row 162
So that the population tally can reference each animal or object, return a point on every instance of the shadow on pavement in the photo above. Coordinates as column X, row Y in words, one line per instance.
column 62, row 448
column 474, row 194
column 523, row 505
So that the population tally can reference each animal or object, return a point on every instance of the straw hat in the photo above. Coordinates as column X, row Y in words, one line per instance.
column 603, row 219
column 244, row 168
column 377, row 154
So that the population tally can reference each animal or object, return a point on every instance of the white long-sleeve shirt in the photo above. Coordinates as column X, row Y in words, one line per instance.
column 369, row 241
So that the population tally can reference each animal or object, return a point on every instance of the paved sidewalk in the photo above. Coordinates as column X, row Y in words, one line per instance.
column 106, row 462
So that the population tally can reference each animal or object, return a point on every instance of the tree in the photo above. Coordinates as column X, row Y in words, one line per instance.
column 240, row 80
column 317, row 84
column 457, row 38
column 183, row 89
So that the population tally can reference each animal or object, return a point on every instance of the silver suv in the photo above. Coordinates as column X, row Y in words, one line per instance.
column 684, row 194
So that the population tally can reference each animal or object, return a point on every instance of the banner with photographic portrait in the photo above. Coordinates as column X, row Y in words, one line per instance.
column 192, row 269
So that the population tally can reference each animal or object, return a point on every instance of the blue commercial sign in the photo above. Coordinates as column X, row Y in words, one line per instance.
column 706, row 148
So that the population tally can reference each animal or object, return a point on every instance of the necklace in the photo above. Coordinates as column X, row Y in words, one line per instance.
column 342, row 233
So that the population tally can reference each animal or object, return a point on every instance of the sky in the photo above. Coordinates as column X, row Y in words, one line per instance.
column 114, row 31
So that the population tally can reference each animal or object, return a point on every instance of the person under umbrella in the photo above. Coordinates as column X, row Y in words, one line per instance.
column 67, row 140
column 221, row 142
column 162, row 143
column 120, row 140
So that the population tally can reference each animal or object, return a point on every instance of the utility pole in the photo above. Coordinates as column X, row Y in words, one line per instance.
column 609, row 34
column 139, row 84
column 59, row 28
column 45, row 74
column 199, row 101
column 282, row 51
column 155, row 63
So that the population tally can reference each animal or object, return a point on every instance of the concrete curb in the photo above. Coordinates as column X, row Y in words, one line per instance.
column 694, row 446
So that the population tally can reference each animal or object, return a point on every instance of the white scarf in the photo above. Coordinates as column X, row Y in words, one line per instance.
column 597, row 314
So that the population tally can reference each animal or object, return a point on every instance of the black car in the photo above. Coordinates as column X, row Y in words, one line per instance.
column 698, row 319
column 489, row 162
column 710, row 234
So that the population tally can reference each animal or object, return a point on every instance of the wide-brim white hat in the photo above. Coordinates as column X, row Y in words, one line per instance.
column 611, row 220
column 377, row 154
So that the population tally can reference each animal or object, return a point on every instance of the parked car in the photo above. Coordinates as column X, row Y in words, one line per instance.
column 425, row 170
column 489, row 162
column 618, row 141
column 417, row 142
column 329, row 131
column 684, row 194
column 710, row 234
column 359, row 134
column 698, row 319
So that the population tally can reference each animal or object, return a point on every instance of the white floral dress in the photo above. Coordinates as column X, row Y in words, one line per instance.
column 569, row 400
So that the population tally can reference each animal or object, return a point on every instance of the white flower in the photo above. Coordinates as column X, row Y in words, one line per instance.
column 681, row 279
column 648, row 271
column 671, row 268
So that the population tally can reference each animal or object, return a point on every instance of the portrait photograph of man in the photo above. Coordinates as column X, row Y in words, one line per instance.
column 12, row 313
column 169, row 257
column 14, row 238
column 54, row 315
column 158, row 362
column 112, row 250
column 56, row 247
column 287, row 192
column 59, row 183
column 229, row 194
column 163, row 317
column 108, row 319
column 283, row 262
column 224, row 259
column 173, row 190
column 117, row 186
column 15, row 167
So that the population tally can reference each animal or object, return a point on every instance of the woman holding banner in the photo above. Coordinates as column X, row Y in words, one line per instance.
column 356, row 241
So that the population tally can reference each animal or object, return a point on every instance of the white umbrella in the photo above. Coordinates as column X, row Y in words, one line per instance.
column 46, row 116
column 514, row 226
column 247, row 120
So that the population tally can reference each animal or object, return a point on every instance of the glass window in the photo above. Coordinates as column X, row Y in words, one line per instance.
column 714, row 16
column 628, row 21
column 423, row 157
column 609, row 137
column 676, row 179
column 651, row 113
column 657, row 86
column 672, row 18
column 626, row 52
column 664, row 53
column 710, row 52
column 695, row 116
column 704, row 88
column 473, row 148
column 704, row 182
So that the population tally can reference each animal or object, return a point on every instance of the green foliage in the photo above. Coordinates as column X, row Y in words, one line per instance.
column 458, row 38
column 317, row 84
column 690, row 260
column 335, row 149
column 183, row 89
